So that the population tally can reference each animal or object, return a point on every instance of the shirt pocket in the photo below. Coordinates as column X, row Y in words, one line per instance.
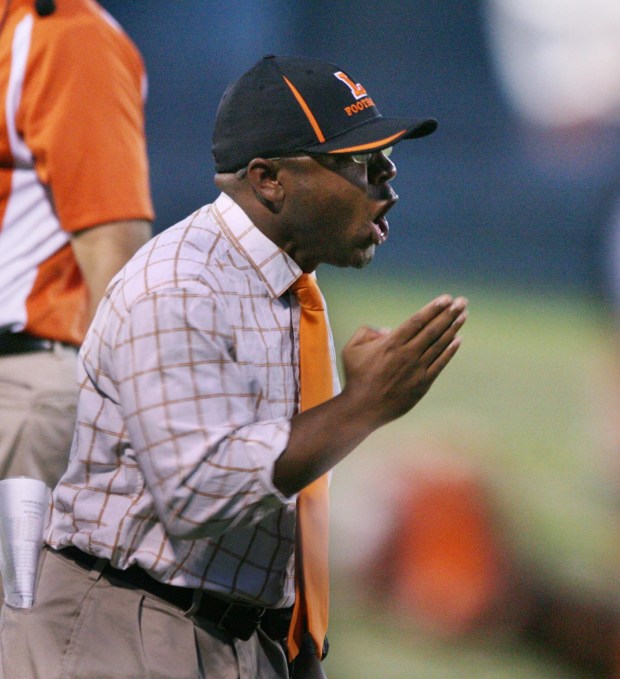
column 274, row 380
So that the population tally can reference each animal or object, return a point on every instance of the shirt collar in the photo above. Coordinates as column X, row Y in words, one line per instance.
column 275, row 268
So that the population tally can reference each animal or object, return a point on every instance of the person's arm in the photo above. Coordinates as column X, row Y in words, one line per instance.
column 386, row 374
column 89, row 147
column 104, row 249
column 190, row 407
column 191, row 410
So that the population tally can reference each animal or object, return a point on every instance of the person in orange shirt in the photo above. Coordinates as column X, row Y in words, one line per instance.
column 74, row 206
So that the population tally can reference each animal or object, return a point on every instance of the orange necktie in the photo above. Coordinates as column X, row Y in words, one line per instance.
column 310, row 612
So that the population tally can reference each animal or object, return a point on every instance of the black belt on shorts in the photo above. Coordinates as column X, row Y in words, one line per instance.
column 238, row 620
column 23, row 343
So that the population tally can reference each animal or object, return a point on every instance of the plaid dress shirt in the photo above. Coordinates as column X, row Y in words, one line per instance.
column 188, row 380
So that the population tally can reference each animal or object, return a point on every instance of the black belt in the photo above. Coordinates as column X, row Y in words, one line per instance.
column 22, row 343
column 238, row 620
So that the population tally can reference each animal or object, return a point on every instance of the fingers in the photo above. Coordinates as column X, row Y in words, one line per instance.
column 443, row 359
column 367, row 333
column 438, row 333
column 428, row 338
column 396, row 368
column 428, row 332
column 443, row 341
column 412, row 326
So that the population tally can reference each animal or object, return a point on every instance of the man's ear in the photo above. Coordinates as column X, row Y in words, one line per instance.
column 263, row 176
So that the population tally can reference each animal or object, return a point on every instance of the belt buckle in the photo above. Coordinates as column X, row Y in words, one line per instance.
column 220, row 623
column 241, row 627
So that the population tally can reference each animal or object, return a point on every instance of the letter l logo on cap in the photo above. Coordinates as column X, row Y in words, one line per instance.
column 356, row 89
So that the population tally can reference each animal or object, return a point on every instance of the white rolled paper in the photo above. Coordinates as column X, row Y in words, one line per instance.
column 24, row 507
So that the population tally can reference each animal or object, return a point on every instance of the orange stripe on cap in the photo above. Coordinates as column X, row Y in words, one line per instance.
column 372, row 145
column 306, row 109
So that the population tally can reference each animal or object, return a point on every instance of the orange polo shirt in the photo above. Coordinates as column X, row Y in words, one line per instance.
column 72, row 155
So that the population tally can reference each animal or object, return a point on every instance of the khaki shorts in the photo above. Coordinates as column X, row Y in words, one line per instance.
column 38, row 400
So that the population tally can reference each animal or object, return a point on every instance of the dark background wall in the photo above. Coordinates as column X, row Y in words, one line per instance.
column 486, row 197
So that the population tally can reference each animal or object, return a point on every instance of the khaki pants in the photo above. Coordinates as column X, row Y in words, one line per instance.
column 38, row 398
column 84, row 627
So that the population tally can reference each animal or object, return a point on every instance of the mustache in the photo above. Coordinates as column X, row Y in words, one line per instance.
column 382, row 193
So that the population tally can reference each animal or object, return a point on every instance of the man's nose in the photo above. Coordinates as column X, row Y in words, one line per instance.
column 380, row 169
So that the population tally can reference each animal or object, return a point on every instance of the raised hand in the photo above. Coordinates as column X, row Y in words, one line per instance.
column 387, row 372
column 390, row 371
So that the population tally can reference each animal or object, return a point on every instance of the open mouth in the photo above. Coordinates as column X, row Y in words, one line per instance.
column 381, row 227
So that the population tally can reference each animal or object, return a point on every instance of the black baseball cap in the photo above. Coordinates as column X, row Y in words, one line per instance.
column 283, row 105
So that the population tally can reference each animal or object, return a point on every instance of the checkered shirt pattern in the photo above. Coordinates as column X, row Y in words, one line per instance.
column 189, row 378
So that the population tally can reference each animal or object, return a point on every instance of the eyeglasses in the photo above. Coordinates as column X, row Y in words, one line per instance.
column 359, row 158
column 364, row 158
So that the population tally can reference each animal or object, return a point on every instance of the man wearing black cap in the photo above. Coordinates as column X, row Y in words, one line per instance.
column 176, row 547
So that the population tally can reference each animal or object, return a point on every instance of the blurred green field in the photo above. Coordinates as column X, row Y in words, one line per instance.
column 528, row 402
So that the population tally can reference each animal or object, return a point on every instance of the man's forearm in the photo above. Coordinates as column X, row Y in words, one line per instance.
column 320, row 438
column 103, row 250
column 387, row 373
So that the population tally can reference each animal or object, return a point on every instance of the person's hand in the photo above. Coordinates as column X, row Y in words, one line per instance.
column 388, row 372
column 308, row 666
